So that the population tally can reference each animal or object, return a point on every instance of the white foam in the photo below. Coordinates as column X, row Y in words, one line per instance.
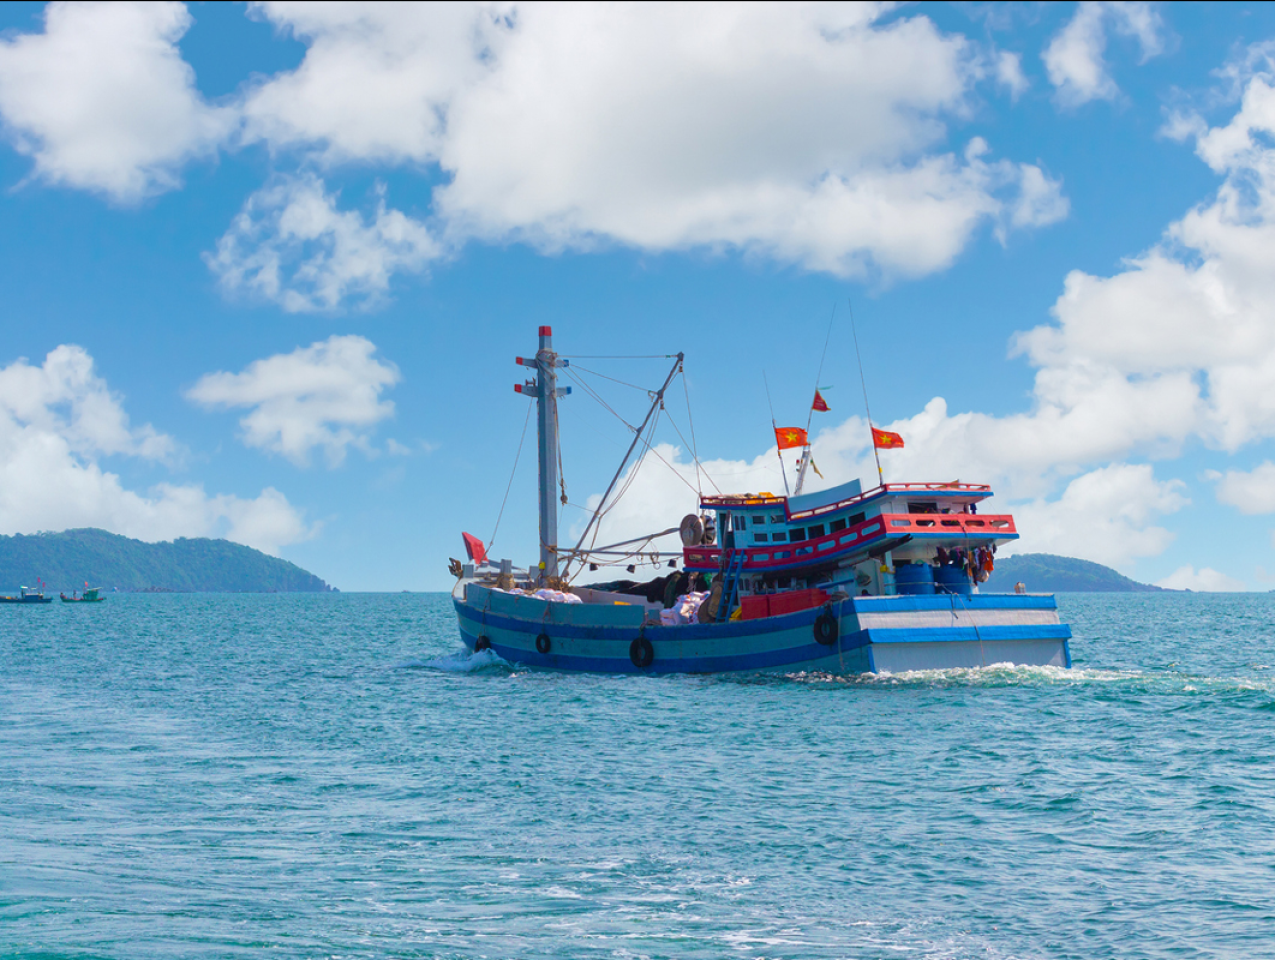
column 463, row 661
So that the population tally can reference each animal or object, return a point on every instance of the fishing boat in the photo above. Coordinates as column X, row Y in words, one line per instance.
column 842, row 581
column 27, row 595
column 90, row 595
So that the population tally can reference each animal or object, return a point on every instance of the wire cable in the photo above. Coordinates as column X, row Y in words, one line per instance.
column 526, row 423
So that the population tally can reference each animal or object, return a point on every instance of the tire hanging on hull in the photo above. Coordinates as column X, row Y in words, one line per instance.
column 641, row 653
column 826, row 628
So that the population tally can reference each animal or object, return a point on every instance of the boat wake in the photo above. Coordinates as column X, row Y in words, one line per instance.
column 1159, row 682
column 462, row 661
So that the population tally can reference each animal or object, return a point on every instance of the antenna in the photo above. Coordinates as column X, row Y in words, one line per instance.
column 810, row 414
column 863, row 380
column 778, row 452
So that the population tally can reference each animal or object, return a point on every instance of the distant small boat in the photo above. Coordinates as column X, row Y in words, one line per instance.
column 27, row 596
column 90, row 595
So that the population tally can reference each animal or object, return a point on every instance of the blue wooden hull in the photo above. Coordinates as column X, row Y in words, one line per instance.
column 873, row 634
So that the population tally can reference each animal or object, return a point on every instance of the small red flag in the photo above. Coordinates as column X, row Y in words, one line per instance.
column 474, row 547
column 788, row 437
column 885, row 440
column 820, row 404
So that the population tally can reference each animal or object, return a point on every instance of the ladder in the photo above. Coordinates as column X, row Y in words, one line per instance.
column 730, row 585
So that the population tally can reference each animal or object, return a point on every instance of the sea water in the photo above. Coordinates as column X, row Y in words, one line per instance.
column 333, row 776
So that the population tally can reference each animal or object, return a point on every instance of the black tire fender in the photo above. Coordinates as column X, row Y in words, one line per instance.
column 482, row 643
column 826, row 628
column 543, row 643
column 641, row 653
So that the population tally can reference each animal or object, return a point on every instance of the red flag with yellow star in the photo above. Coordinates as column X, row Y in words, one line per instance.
column 788, row 437
column 885, row 440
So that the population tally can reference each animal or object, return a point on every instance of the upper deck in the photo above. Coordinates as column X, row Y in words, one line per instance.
column 777, row 534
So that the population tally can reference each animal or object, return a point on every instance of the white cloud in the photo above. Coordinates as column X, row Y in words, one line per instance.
column 103, row 101
column 377, row 79
column 290, row 244
column 1009, row 73
column 1107, row 515
column 64, row 397
column 1205, row 580
column 58, row 419
column 325, row 395
column 1251, row 492
column 805, row 133
column 1074, row 58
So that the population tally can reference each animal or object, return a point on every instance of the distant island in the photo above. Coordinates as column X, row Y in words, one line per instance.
column 1047, row 573
column 66, row 560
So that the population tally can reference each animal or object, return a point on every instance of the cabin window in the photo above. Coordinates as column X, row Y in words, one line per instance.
column 917, row 506
column 779, row 536
column 778, row 518
column 759, row 520
column 856, row 518
column 836, row 525
column 815, row 531
column 759, row 538
column 796, row 534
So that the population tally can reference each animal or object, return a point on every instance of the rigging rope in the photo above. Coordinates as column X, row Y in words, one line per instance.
column 509, row 486
column 623, row 383
column 645, row 442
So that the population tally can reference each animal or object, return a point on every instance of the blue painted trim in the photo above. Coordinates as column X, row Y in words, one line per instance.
column 689, row 631
column 788, row 656
column 980, row 601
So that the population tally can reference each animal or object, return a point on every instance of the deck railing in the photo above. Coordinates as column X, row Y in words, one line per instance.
column 963, row 526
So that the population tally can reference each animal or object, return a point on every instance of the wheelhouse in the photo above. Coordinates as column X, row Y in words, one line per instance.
column 898, row 538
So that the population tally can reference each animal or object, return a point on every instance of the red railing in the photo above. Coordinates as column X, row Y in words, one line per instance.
column 957, row 525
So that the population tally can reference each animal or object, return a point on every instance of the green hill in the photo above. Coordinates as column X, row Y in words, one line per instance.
column 66, row 560
column 1046, row 573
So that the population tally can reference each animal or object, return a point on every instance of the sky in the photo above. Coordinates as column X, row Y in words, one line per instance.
column 266, row 268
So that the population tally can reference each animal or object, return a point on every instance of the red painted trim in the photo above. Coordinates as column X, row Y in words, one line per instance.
column 546, row 331
column 957, row 525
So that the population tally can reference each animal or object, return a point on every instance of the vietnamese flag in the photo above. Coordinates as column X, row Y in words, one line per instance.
column 788, row 437
column 820, row 404
column 885, row 440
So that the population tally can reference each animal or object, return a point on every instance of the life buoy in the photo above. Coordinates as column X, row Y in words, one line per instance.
column 481, row 644
column 543, row 643
column 826, row 628
column 641, row 653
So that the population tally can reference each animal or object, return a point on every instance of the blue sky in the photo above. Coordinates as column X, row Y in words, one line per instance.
column 266, row 267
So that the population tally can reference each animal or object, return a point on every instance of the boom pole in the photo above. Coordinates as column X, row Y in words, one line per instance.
column 655, row 404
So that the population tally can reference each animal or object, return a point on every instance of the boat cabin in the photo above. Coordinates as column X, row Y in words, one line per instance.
column 898, row 538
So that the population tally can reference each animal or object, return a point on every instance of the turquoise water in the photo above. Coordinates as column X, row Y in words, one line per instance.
column 331, row 776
